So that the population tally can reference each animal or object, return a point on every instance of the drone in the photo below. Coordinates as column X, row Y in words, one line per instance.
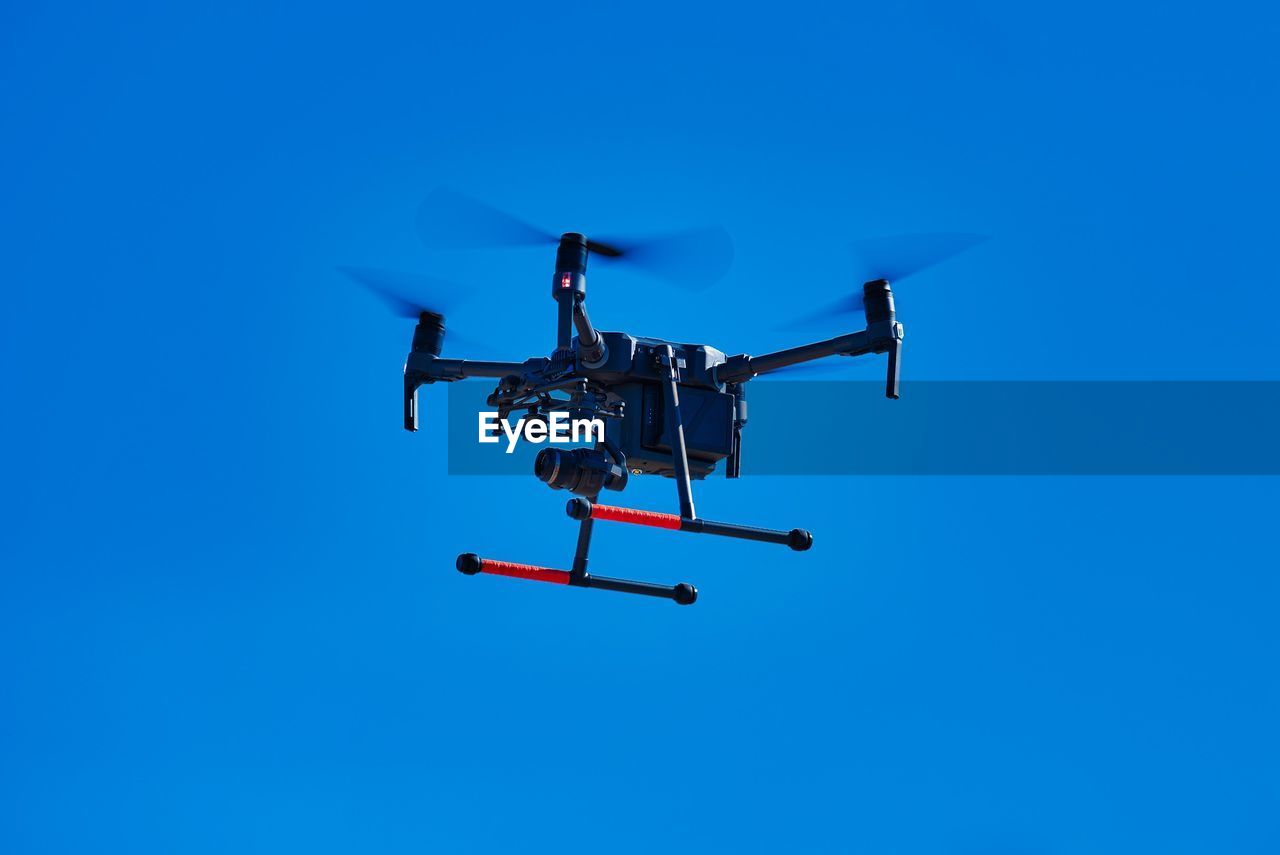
column 673, row 409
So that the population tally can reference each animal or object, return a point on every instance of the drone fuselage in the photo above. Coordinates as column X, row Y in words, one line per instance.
column 669, row 408
column 711, row 416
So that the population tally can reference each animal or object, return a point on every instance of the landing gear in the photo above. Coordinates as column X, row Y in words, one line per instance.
column 587, row 511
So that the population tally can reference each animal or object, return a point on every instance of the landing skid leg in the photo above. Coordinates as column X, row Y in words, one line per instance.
column 675, row 429
column 471, row 564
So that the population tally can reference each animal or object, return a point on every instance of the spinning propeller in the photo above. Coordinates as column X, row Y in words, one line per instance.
column 425, row 299
column 448, row 219
column 407, row 295
column 892, row 258
column 695, row 258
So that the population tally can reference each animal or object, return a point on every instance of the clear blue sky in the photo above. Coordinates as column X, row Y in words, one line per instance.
column 229, row 614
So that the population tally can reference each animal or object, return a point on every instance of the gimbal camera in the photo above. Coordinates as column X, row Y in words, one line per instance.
column 670, row 408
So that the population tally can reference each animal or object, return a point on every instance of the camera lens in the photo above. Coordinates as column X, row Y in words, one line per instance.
column 580, row 470
column 547, row 467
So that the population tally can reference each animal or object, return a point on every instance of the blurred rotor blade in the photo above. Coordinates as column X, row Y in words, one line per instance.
column 849, row 304
column 696, row 258
column 896, row 257
column 448, row 219
column 407, row 294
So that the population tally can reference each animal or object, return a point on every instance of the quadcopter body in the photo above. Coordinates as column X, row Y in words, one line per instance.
column 670, row 408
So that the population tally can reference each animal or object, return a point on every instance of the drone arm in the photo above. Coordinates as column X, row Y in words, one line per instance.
column 741, row 368
column 882, row 335
column 422, row 368
column 591, row 346
column 433, row 368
